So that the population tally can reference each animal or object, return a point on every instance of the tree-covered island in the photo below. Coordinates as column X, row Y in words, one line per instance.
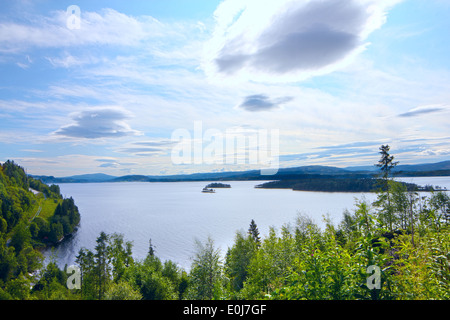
column 218, row 185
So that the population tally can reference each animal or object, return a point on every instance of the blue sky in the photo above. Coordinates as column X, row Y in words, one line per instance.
column 334, row 79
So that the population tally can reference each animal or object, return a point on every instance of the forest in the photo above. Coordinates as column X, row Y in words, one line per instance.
column 396, row 248
column 33, row 216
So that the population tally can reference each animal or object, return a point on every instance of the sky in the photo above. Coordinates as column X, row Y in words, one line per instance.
column 167, row 87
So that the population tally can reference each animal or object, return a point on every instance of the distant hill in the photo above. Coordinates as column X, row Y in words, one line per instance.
column 82, row 178
column 362, row 168
column 439, row 166
column 283, row 173
column 97, row 177
column 425, row 167
column 428, row 169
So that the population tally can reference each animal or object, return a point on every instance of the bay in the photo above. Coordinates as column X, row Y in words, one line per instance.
column 175, row 214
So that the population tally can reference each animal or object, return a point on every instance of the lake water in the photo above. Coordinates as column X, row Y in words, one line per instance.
column 174, row 214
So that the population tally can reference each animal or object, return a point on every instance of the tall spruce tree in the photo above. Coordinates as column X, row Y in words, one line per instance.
column 386, row 164
column 254, row 232
column 102, row 264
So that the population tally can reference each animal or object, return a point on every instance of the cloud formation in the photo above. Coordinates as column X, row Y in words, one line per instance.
column 261, row 102
column 106, row 122
column 147, row 148
column 293, row 40
column 108, row 27
column 422, row 110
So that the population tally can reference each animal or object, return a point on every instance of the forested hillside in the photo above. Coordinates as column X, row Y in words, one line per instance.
column 32, row 215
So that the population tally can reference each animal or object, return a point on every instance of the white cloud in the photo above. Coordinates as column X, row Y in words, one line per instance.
column 288, row 40
column 108, row 27
column 261, row 102
column 102, row 122
column 424, row 110
column 147, row 148
column 68, row 60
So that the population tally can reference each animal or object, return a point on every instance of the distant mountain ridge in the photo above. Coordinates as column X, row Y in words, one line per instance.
column 82, row 178
column 93, row 176
column 438, row 166
column 427, row 169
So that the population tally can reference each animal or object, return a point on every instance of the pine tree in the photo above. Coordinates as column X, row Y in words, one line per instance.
column 102, row 264
column 254, row 232
column 151, row 249
column 386, row 162
column 85, row 260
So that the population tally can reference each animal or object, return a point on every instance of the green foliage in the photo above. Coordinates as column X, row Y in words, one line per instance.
column 153, row 280
column 18, row 288
column 238, row 260
column 122, row 290
column 63, row 221
column 23, row 231
column 111, row 273
column 308, row 263
column 422, row 270
column 8, row 262
column 21, row 237
column 51, row 284
column 52, row 191
column 206, row 272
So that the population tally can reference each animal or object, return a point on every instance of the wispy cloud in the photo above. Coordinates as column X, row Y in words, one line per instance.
column 67, row 60
column 110, row 165
column 108, row 27
column 261, row 102
column 115, row 163
column 147, row 148
column 144, row 35
column 160, row 144
column 353, row 145
column 423, row 110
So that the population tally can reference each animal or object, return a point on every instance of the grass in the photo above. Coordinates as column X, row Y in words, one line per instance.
column 31, row 212
column 48, row 208
column 47, row 205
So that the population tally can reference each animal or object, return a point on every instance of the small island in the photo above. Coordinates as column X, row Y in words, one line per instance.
column 218, row 185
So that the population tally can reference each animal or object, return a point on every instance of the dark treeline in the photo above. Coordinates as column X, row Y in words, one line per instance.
column 218, row 185
column 332, row 184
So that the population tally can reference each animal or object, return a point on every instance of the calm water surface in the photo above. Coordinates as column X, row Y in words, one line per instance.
column 174, row 214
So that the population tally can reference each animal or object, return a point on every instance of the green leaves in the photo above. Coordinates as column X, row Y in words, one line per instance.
column 206, row 272
column 238, row 260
